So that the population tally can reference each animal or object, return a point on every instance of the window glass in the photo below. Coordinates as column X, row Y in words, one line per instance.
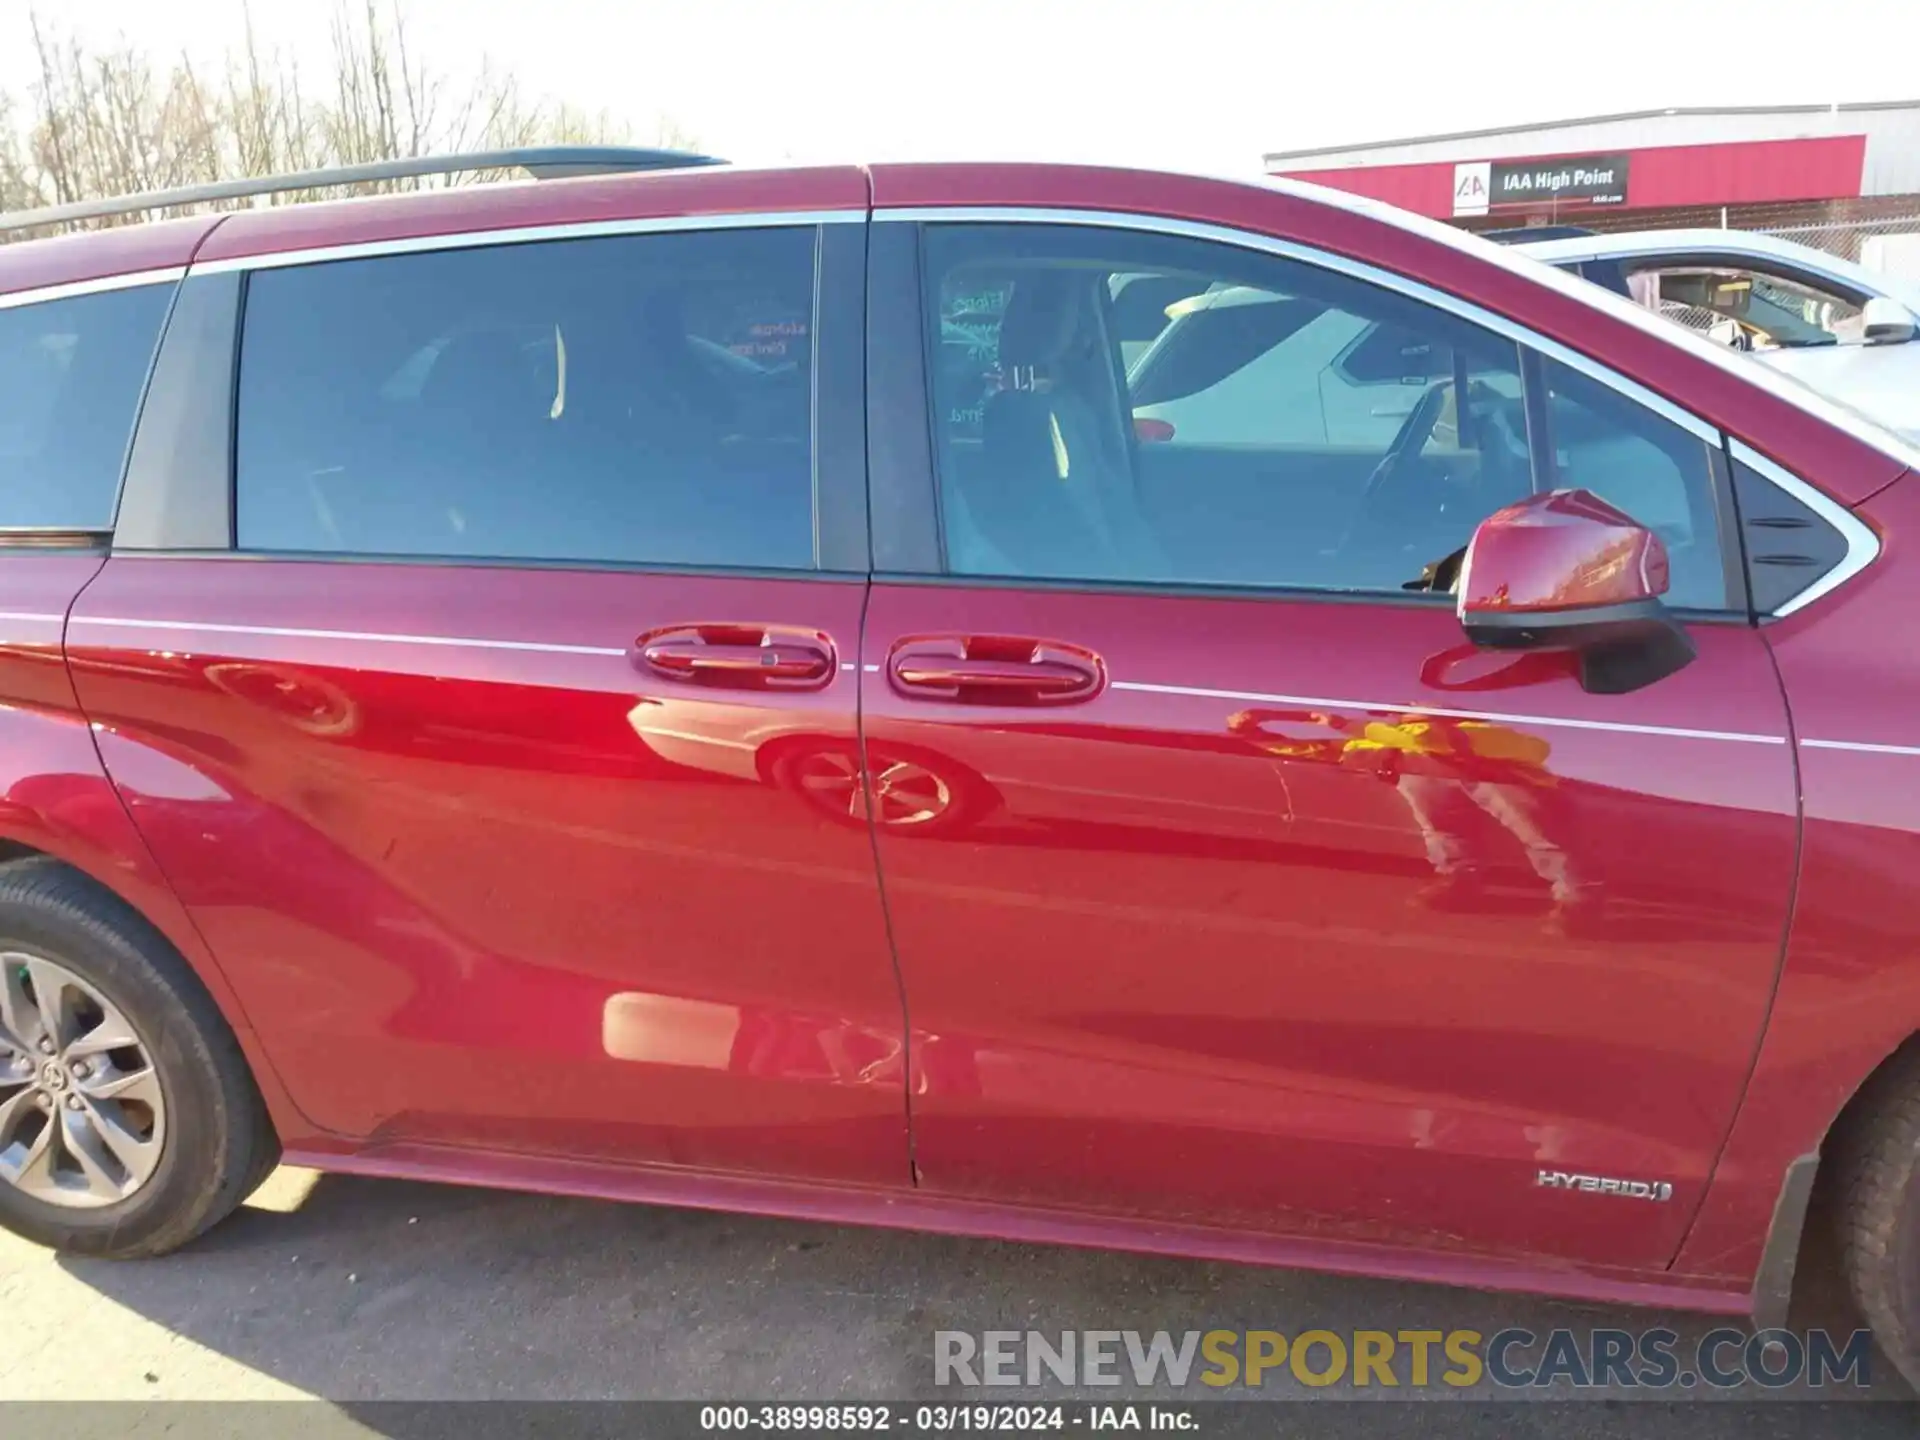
column 967, row 351
column 71, row 373
column 641, row 398
column 1389, row 355
column 1789, row 544
column 1646, row 465
column 1114, row 405
column 1751, row 309
column 1120, row 406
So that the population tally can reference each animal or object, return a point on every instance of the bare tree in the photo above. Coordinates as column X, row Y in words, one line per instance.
column 107, row 122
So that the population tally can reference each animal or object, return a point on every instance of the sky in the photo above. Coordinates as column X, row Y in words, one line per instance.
column 1194, row 84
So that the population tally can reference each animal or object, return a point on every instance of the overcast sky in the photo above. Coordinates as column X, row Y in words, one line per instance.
column 1205, row 84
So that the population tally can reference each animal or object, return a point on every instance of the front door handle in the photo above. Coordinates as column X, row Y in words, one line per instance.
column 995, row 670
column 738, row 657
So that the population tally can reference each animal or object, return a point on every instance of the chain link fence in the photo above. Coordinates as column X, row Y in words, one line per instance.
column 1867, row 230
column 1865, row 241
column 1880, row 232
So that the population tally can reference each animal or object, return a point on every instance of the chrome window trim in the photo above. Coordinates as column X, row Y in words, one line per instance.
column 531, row 234
column 166, row 275
column 1863, row 546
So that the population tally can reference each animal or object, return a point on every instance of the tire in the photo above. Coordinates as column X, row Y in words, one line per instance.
column 212, row 1137
column 1878, row 1210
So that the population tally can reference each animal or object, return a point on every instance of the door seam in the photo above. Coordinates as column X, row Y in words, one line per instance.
column 880, row 887
column 192, row 922
column 1780, row 957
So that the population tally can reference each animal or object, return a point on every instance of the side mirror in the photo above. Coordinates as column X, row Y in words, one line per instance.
column 1567, row 571
column 1885, row 321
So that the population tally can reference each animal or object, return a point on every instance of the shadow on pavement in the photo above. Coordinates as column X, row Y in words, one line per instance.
column 362, row 1291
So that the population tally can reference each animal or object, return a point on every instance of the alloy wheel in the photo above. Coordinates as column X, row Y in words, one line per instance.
column 82, row 1116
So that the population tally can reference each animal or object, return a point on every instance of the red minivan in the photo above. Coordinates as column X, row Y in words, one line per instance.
column 1046, row 702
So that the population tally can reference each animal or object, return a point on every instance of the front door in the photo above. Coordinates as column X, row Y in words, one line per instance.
column 1230, row 885
column 479, row 762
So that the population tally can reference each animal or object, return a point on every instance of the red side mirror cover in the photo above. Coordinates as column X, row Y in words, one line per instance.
column 1566, row 550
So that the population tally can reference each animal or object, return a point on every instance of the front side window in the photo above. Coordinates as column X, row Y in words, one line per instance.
column 1127, row 406
column 1597, row 439
column 1748, row 308
column 71, row 373
column 641, row 398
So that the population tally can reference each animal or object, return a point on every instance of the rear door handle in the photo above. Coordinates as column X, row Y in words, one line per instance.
column 995, row 670
column 738, row 657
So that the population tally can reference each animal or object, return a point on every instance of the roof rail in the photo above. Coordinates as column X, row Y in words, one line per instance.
column 542, row 162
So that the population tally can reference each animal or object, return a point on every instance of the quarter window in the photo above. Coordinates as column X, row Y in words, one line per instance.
column 640, row 398
column 1121, row 406
column 71, row 373
column 1789, row 544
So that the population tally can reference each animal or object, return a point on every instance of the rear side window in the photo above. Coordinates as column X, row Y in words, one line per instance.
column 642, row 398
column 71, row 373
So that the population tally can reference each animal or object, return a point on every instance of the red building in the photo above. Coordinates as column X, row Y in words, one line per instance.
column 1771, row 168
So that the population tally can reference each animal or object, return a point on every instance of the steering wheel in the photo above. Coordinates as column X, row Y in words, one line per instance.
column 1409, row 509
column 1403, row 455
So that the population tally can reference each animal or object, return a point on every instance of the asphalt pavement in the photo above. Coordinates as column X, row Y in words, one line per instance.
column 360, row 1291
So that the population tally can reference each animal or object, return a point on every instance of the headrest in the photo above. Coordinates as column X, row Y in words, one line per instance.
column 1041, row 319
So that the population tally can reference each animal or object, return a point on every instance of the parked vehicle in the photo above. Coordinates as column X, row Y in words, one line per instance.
column 1848, row 331
column 708, row 687
column 1843, row 330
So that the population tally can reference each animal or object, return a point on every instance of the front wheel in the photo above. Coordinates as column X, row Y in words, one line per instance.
column 129, row 1122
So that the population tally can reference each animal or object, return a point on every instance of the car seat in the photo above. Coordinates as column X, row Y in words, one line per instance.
column 1053, row 493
